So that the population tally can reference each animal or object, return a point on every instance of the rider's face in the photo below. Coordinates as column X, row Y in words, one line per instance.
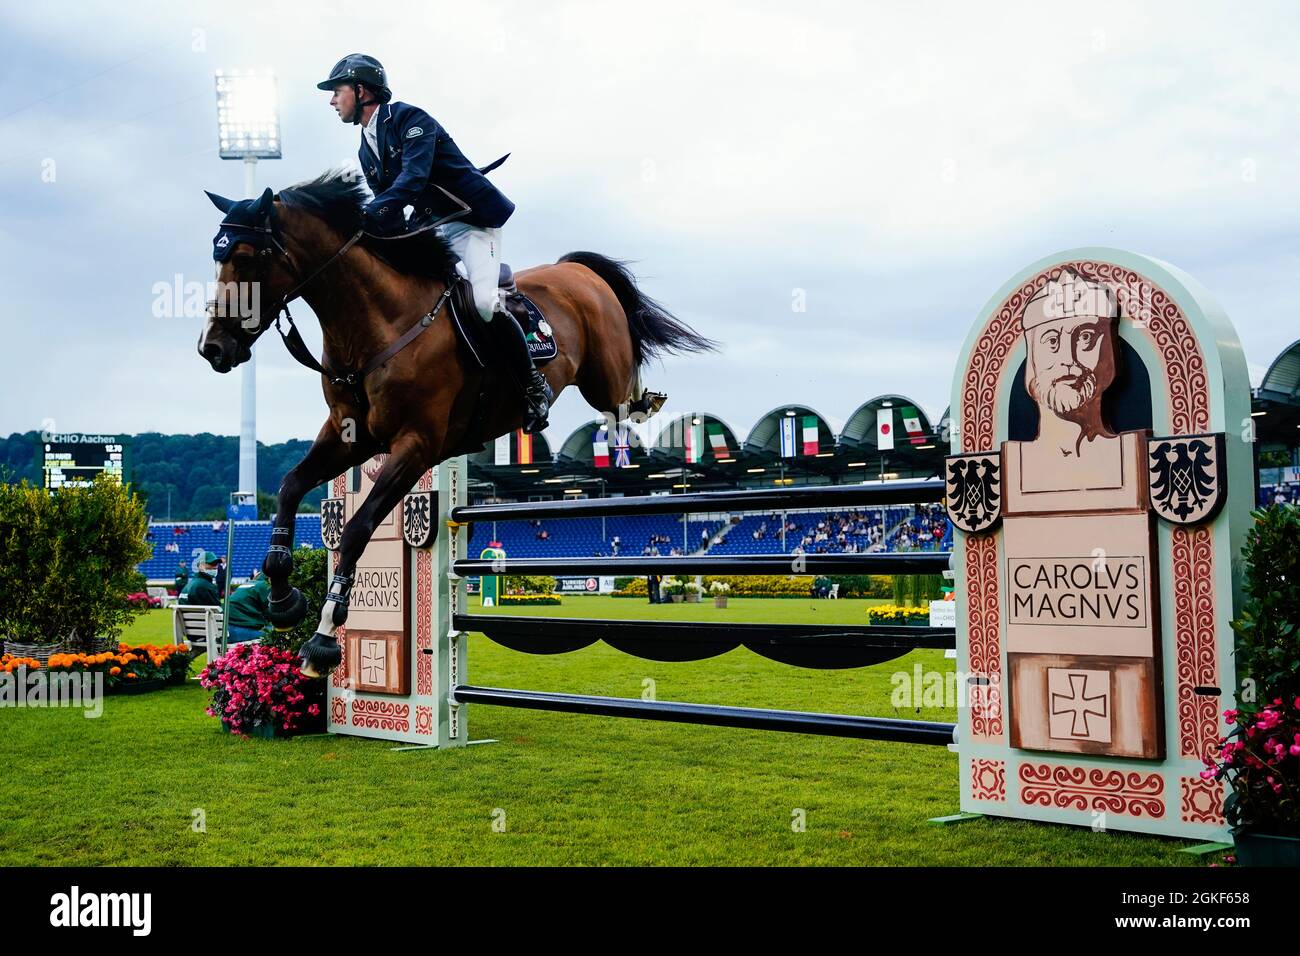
column 344, row 101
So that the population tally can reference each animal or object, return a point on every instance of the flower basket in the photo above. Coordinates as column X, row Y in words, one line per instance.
column 136, row 687
column 270, row 731
column 35, row 652
column 258, row 691
column 692, row 597
column 677, row 598
column 720, row 601
column 1265, row 849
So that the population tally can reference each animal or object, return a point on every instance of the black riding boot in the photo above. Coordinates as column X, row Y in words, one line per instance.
column 508, row 339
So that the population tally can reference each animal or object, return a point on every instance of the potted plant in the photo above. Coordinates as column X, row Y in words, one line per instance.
column 67, row 560
column 719, row 591
column 675, row 588
column 1260, row 758
column 692, row 590
column 258, row 690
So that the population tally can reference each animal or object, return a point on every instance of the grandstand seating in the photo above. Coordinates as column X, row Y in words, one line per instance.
column 576, row 537
column 740, row 539
column 251, row 541
column 583, row 537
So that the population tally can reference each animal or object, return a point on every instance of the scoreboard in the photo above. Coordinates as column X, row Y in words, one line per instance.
column 73, row 461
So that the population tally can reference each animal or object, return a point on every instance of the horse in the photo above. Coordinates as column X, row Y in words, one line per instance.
column 393, row 372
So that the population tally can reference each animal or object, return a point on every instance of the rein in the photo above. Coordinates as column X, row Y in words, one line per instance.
column 354, row 380
column 293, row 341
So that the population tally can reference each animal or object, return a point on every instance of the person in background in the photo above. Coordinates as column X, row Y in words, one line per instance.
column 652, row 586
column 182, row 577
column 202, row 588
column 219, row 577
column 248, row 610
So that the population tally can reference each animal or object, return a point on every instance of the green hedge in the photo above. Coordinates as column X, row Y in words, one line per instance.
column 68, row 559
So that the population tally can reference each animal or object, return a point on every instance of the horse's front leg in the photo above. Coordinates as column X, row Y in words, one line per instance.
column 328, row 457
column 409, row 459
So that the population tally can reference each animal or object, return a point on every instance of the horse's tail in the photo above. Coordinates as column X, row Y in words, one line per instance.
column 655, row 330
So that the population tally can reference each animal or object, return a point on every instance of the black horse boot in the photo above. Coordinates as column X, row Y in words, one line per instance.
column 508, row 340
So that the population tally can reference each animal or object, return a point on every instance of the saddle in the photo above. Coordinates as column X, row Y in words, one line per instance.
column 469, row 324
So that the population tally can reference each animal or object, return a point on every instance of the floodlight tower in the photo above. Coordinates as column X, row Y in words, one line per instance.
column 248, row 128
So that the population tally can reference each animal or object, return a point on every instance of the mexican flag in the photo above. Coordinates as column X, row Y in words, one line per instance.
column 810, row 441
column 912, row 424
column 694, row 443
column 885, row 429
column 718, row 441
column 600, row 447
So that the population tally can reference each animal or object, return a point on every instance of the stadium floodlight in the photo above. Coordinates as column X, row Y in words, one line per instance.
column 248, row 118
column 248, row 128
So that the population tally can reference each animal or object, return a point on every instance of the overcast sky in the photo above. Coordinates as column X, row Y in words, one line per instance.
column 892, row 163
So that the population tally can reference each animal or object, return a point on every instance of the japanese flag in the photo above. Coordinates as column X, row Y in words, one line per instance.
column 885, row 429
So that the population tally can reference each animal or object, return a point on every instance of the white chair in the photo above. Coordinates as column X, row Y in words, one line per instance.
column 199, row 626
column 161, row 593
column 835, row 591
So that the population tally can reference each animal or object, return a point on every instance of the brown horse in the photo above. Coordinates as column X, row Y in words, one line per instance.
column 427, row 401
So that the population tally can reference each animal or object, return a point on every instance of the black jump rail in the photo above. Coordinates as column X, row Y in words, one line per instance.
column 909, row 492
column 750, row 718
column 880, row 562
column 818, row 646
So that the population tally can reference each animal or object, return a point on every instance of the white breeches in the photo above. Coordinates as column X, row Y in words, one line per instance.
column 480, row 251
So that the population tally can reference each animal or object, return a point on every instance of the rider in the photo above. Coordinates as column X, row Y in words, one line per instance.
column 410, row 160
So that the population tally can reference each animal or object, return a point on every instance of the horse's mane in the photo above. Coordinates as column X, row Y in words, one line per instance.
column 337, row 196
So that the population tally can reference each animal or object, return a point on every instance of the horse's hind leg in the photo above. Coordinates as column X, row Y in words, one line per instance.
column 409, row 459
column 607, row 375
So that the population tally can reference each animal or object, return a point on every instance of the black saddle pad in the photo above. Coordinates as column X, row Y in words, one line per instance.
column 469, row 326
column 541, row 339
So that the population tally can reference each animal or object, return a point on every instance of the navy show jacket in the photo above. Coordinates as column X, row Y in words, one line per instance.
column 416, row 155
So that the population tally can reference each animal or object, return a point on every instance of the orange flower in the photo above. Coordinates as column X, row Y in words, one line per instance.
column 130, row 674
column 115, row 671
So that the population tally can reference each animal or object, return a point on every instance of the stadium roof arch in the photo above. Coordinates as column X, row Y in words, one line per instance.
column 915, row 454
column 513, row 451
column 698, row 441
column 1275, row 405
column 813, row 440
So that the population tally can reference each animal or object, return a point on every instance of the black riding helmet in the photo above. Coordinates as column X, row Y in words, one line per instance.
column 359, row 69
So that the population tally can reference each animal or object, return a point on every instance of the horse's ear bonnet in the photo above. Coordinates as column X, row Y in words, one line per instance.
column 246, row 220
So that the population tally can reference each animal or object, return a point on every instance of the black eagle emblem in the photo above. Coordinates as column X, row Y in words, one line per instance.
column 417, row 519
column 1188, row 478
column 331, row 523
column 974, row 490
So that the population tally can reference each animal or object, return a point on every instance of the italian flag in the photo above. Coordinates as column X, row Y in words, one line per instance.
column 694, row 443
column 912, row 424
column 810, row 441
column 718, row 441
column 600, row 447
